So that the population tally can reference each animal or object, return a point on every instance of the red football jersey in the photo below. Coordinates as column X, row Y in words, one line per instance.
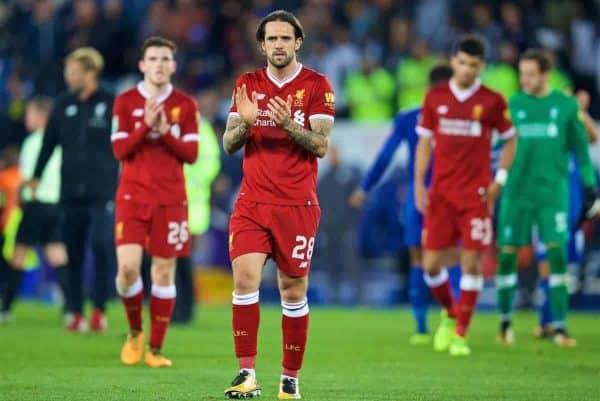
column 462, row 123
column 152, row 164
column 276, row 169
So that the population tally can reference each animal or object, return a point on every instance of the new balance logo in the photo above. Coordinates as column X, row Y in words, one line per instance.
column 137, row 112
column 304, row 265
column 299, row 117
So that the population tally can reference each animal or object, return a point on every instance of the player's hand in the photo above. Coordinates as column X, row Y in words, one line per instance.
column 591, row 205
column 246, row 107
column 163, row 125
column 357, row 199
column 491, row 194
column 583, row 98
column 421, row 197
column 281, row 110
column 32, row 184
column 152, row 110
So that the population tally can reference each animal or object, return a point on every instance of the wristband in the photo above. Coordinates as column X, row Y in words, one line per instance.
column 501, row 176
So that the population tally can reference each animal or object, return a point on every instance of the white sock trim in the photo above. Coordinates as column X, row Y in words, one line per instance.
column 246, row 299
column 506, row 281
column 556, row 280
column 295, row 309
column 295, row 379
column 436, row 281
column 132, row 290
column 166, row 292
column 469, row 282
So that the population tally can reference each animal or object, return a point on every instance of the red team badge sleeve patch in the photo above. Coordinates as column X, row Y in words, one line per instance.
column 322, row 105
column 503, row 122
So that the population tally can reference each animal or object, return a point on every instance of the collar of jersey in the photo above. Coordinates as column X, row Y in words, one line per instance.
column 280, row 83
column 162, row 98
column 463, row 94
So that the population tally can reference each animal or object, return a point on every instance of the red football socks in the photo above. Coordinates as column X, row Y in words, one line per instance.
column 162, row 303
column 294, row 324
column 442, row 292
column 245, row 320
column 133, row 300
column 470, row 287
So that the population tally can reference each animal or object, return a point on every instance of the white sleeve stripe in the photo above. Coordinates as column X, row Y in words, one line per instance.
column 321, row 116
column 118, row 135
column 508, row 133
column 234, row 113
column 191, row 137
column 422, row 131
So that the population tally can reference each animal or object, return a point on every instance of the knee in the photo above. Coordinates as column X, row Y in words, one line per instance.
column 163, row 271
column 57, row 256
column 128, row 272
column 292, row 291
column 244, row 283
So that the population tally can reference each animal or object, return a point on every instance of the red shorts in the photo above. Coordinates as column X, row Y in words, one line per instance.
column 285, row 233
column 448, row 224
column 161, row 229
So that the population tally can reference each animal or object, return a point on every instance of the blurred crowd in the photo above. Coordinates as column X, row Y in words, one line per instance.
column 374, row 52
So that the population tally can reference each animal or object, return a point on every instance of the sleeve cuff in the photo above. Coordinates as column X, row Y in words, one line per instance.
column 509, row 133
column 422, row 131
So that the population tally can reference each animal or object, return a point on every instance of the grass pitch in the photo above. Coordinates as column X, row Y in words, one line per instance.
column 360, row 354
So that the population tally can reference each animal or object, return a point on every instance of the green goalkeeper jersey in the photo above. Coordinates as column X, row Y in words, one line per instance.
column 548, row 129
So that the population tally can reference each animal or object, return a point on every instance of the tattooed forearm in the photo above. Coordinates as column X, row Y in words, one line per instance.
column 316, row 140
column 236, row 134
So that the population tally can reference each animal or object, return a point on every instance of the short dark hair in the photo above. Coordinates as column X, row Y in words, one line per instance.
column 541, row 56
column 157, row 41
column 280, row 15
column 472, row 45
column 439, row 74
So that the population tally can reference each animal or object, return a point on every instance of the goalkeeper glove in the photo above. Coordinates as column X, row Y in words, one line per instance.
column 591, row 204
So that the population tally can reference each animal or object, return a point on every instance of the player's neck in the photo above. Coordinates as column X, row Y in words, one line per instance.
column 543, row 92
column 464, row 87
column 282, row 73
column 88, row 91
column 155, row 91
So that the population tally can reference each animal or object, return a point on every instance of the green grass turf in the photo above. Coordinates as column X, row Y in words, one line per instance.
column 358, row 354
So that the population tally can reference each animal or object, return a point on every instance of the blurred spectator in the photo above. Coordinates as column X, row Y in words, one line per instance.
column 485, row 26
column 399, row 42
column 337, row 229
column 410, row 76
column 514, row 30
column 370, row 92
column 503, row 76
column 432, row 19
column 336, row 60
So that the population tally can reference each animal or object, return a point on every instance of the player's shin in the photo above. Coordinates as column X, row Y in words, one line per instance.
column 294, row 324
column 245, row 322
column 439, row 285
column 559, row 296
column 132, row 298
column 545, row 306
column 419, row 298
column 470, row 287
column 506, row 283
column 162, row 303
